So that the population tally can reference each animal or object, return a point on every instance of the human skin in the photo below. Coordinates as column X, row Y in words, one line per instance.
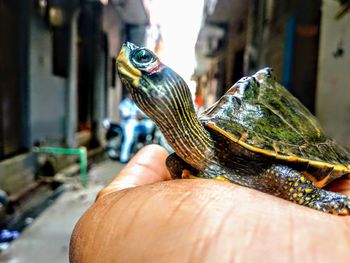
column 143, row 216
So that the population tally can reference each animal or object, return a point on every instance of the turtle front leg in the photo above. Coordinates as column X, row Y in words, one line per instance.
column 291, row 185
column 178, row 168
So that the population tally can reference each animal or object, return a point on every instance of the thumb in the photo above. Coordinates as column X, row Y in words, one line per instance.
column 146, row 167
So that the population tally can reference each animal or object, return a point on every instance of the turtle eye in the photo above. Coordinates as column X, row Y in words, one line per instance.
column 142, row 58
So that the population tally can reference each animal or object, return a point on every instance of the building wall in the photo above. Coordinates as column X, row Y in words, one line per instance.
column 13, row 77
column 266, row 33
column 46, row 107
column 50, row 101
column 275, row 48
column 47, row 92
column 284, row 35
column 113, row 26
column 333, row 89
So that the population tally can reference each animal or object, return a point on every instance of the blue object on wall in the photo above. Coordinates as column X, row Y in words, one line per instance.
column 288, row 52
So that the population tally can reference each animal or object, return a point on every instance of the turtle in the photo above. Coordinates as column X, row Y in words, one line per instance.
column 257, row 135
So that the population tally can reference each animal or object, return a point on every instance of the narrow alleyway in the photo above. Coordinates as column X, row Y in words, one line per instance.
column 47, row 238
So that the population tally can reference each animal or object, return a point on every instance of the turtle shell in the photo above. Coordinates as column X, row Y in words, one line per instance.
column 261, row 115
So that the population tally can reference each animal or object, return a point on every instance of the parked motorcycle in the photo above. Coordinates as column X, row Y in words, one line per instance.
column 114, row 139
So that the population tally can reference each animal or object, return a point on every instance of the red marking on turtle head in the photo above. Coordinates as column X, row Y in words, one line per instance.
column 232, row 90
column 157, row 67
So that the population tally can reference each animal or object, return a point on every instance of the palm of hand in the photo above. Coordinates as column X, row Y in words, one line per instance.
column 201, row 221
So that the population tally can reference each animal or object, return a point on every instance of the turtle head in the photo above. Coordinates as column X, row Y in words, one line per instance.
column 156, row 89
column 165, row 97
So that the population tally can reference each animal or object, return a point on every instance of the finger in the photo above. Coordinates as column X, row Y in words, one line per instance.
column 146, row 167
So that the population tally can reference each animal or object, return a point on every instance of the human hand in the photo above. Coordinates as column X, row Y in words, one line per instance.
column 142, row 216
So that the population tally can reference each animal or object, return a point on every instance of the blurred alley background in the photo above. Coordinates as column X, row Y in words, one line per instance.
column 58, row 78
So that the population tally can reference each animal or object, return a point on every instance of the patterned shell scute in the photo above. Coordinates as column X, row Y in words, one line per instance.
column 261, row 113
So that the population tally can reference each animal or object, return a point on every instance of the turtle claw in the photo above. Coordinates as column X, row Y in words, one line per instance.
column 344, row 209
column 333, row 203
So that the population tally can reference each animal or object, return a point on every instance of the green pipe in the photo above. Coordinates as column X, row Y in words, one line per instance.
column 83, row 166
column 70, row 151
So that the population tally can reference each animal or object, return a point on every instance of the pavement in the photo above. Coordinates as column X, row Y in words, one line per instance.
column 46, row 239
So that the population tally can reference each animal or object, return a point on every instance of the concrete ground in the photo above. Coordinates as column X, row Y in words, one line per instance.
column 47, row 238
